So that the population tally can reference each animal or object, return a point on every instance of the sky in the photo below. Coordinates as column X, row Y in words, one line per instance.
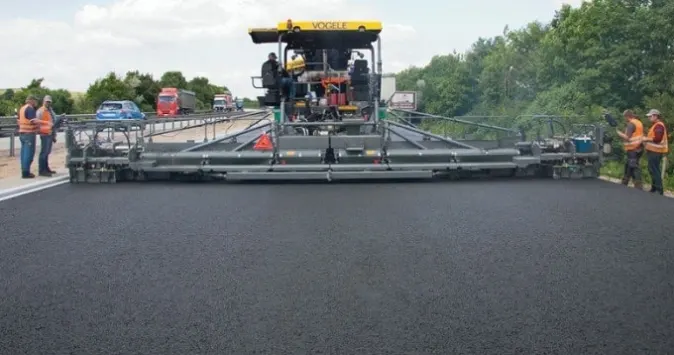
column 71, row 44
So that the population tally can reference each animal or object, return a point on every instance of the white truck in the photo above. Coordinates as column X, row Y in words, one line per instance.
column 223, row 102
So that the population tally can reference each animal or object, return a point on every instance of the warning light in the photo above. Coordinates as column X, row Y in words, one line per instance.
column 264, row 143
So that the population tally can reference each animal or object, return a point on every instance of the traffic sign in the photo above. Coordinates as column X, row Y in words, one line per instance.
column 404, row 100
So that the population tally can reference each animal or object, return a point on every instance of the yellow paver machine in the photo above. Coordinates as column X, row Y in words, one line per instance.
column 329, row 121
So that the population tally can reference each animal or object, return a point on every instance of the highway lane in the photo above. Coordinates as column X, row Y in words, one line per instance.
column 475, row 267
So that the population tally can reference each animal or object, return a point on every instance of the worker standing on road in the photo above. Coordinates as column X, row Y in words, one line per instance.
column 46, row 130
column 657, row 147
column 28, row 128
column 632, row 137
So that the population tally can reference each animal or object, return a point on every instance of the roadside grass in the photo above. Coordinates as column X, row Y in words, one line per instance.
column 614, row 169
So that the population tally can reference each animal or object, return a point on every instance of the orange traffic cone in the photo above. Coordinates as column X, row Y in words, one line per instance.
column 264, row 143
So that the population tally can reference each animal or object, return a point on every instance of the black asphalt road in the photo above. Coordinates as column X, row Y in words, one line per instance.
column 479, row 267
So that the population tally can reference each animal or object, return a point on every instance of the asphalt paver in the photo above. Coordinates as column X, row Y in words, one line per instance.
column 475, row 267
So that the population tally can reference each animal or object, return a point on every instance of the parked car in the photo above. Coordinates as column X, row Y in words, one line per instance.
column 119, row 110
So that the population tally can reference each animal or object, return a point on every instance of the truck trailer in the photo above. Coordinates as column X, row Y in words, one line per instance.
column 173, row 101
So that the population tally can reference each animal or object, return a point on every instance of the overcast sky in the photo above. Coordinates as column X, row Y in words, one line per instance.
column 71, row 43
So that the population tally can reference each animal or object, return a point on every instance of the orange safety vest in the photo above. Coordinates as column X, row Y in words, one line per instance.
column 637, row 136
column 663, row 146
column 47, row 123
column 25, row 125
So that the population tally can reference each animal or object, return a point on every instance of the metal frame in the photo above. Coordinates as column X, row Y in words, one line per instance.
column 394, row 150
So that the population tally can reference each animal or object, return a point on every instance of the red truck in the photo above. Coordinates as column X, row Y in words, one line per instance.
column 173, row 101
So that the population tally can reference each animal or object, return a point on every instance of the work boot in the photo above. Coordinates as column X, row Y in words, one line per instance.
column 653, row 189
column 27, row 176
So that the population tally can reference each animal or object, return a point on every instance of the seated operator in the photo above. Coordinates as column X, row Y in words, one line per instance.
column 287, row 82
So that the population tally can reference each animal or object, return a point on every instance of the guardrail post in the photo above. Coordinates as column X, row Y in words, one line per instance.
column 205, row 130
column 11, row 144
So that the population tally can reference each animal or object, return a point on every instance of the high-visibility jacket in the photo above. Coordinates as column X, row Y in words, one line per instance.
column 637, row 136
column 663, row 146
column 44, row 115
column 25, row 125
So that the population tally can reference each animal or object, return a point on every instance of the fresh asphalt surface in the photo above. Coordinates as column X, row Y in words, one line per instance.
column 475, row 267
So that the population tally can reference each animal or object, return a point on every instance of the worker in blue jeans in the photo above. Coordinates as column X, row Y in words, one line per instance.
column 48, row 121
column 29, row 126
column 289, row 85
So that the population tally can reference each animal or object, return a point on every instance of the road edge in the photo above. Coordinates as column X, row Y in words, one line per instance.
column 618, row 181
column 8, row 194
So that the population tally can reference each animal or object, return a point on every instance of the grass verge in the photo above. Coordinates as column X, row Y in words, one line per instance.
column 614, row 169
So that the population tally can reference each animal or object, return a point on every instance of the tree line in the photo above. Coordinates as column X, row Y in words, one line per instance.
column 605, row 55
column 142, row 88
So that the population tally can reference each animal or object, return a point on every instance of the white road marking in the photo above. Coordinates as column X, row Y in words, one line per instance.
column 37, row 186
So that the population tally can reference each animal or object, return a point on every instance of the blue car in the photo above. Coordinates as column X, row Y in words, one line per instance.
column 239, row 105
column 119, row 110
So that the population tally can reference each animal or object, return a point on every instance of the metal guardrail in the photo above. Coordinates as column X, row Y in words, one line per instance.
column 11, row 120
column 156, row 125
column 8, row 123
column 78, row 116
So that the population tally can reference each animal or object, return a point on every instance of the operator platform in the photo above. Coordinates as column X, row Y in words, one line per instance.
column 326, row 62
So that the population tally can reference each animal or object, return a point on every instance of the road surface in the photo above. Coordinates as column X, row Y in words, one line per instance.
column 476, row 267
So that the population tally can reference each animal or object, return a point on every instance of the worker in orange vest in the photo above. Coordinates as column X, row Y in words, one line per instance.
column 47, row 117
column 28, row 128
column 632, row 142
column 657, row 147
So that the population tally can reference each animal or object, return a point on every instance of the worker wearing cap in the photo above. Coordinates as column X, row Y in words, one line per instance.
column 29, row 125
column 657, row 147
column 632, row 142
column 46, row 131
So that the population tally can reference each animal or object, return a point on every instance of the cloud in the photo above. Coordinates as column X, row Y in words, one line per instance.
column 198, row 37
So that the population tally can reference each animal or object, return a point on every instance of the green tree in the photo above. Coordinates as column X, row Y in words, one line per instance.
column 145, row 89
column 111, row 87
column 205, row 91
column 173, row 79
column 62, row 100
column 8, row 95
